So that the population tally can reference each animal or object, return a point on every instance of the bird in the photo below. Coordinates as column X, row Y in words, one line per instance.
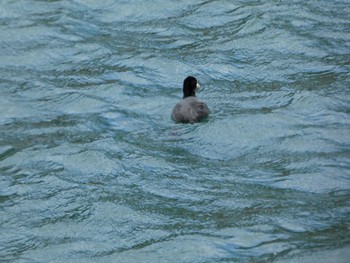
column 190, row 109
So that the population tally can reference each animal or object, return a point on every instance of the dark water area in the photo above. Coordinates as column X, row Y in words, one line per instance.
column 93, row 169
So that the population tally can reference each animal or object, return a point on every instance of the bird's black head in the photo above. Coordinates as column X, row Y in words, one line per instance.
column 190, row 86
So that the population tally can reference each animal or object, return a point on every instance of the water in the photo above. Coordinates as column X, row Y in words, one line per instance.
column 94, row 170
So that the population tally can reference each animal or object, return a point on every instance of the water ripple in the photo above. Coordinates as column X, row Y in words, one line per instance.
column 92, row 168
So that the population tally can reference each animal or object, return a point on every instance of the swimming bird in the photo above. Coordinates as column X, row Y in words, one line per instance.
column 190, row 109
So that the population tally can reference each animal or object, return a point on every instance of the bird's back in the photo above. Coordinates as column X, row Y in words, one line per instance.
column 190, row 109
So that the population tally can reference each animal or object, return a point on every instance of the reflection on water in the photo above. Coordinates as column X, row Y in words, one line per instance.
column 94, row 170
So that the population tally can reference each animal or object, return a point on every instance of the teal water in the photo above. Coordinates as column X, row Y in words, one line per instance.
column 92, row 168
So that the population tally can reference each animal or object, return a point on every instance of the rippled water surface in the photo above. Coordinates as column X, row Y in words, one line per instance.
column 93, row 169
